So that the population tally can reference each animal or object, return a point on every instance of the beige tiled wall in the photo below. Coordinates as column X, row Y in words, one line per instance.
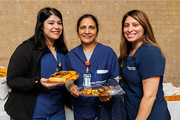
column 18, row 17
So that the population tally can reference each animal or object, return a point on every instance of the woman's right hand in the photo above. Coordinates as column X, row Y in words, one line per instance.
column 73, row 92
column 47, row 84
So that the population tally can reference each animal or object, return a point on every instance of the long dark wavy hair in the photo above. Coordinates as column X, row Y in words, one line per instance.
column 39, row 38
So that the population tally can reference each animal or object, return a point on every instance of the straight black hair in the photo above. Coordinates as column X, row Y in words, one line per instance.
column 40, row 40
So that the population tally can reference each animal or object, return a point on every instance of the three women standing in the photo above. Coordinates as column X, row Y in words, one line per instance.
column 141, row 60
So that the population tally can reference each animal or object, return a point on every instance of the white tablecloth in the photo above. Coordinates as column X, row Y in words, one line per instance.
column 69, row 114
column 174, row 109
column 3, row 97
column 3, row 114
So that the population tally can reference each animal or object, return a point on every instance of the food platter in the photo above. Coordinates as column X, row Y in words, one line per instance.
column 64, row 76
column 99, row 89
column 92, row 91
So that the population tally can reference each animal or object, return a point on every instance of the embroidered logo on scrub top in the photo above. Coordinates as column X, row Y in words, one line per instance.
column 131, row 68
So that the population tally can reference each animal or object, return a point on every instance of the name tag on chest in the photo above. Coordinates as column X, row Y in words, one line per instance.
column 102, row 71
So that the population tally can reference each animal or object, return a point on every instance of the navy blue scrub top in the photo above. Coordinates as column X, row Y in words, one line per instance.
column 49, row 101
column 146, row 62
column 103, row 58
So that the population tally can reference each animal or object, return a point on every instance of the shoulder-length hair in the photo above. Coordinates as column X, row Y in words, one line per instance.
column 148, row 37
column 40, row 40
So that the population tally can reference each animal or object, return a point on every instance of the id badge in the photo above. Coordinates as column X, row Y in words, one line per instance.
column 87, row 79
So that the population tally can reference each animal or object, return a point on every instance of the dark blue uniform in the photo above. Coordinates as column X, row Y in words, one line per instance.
column 103, row 66
column 49, row 103
column 148, row 61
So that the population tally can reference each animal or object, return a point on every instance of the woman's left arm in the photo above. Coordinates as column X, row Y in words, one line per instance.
column 150, row 88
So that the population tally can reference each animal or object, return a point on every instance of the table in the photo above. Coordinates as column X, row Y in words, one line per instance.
column 173, row 99
column 69, row 114
column 3, row 97
column 174, row 109
column 4, row 116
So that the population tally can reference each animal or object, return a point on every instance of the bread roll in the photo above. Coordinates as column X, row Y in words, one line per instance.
column 63, row 77
column 54, row 79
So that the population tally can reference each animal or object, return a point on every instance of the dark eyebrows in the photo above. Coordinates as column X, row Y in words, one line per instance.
column 53, row 21
column 89, row 25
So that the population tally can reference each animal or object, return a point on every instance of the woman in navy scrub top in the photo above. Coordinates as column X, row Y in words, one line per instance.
column 143, row 65
column 33, row 62
column 103, row 66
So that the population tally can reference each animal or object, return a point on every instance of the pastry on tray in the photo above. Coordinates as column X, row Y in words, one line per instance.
column 63, row 77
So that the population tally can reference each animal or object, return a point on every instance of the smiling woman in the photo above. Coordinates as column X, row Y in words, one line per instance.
column 133, row 32
column 52, row 28
column 87, row 59
column 30, row 66
column 87, row 33
column 142, row 64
